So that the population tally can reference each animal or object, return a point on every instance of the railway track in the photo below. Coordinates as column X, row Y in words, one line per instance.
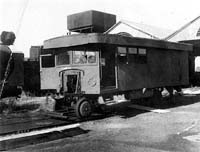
column 24, row 129
column 17, row 130
column 16, row 124
column 27, row 123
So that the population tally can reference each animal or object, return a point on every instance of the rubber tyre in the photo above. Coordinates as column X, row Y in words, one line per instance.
column 83, row 108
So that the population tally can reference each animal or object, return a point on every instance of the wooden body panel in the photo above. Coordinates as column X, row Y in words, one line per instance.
column 163, row 68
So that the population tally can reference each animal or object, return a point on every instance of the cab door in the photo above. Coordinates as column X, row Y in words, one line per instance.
column 108, row 67
column 48, row 76
column 71, row 80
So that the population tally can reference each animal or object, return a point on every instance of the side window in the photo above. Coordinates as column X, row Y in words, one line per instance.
column 48, row 61
column 142, row 55
column 137, row 55
column 132, row 55
column 122, row 55
column 142, row 51
column 63, row 58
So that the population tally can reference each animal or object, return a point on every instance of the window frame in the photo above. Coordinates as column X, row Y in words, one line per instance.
column 87, row 63
column 137, row 57
column 142, row 54
column 45, row 55
column 70, row 58
column 125, row 56
column 142, row 57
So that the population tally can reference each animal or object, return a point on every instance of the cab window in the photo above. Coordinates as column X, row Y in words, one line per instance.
column 84, row 57
column 63, row 58
column 48, row 61
column 91, row 56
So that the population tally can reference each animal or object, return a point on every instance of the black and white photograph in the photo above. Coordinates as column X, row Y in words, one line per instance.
column 99, row 76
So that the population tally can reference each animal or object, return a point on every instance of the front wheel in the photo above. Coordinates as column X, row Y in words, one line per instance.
column 83, row 108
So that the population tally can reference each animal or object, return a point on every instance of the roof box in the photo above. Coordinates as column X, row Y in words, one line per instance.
column 90, row 22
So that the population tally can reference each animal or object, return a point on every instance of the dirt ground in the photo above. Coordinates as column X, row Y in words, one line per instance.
column 25, row 103
column 129, row 129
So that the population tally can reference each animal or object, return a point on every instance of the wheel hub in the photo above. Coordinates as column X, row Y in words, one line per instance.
column 85, row 109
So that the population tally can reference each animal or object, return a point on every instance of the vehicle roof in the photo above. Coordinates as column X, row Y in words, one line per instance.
column 113, row 39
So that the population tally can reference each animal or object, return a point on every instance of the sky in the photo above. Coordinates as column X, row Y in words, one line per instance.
column 45, row 19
